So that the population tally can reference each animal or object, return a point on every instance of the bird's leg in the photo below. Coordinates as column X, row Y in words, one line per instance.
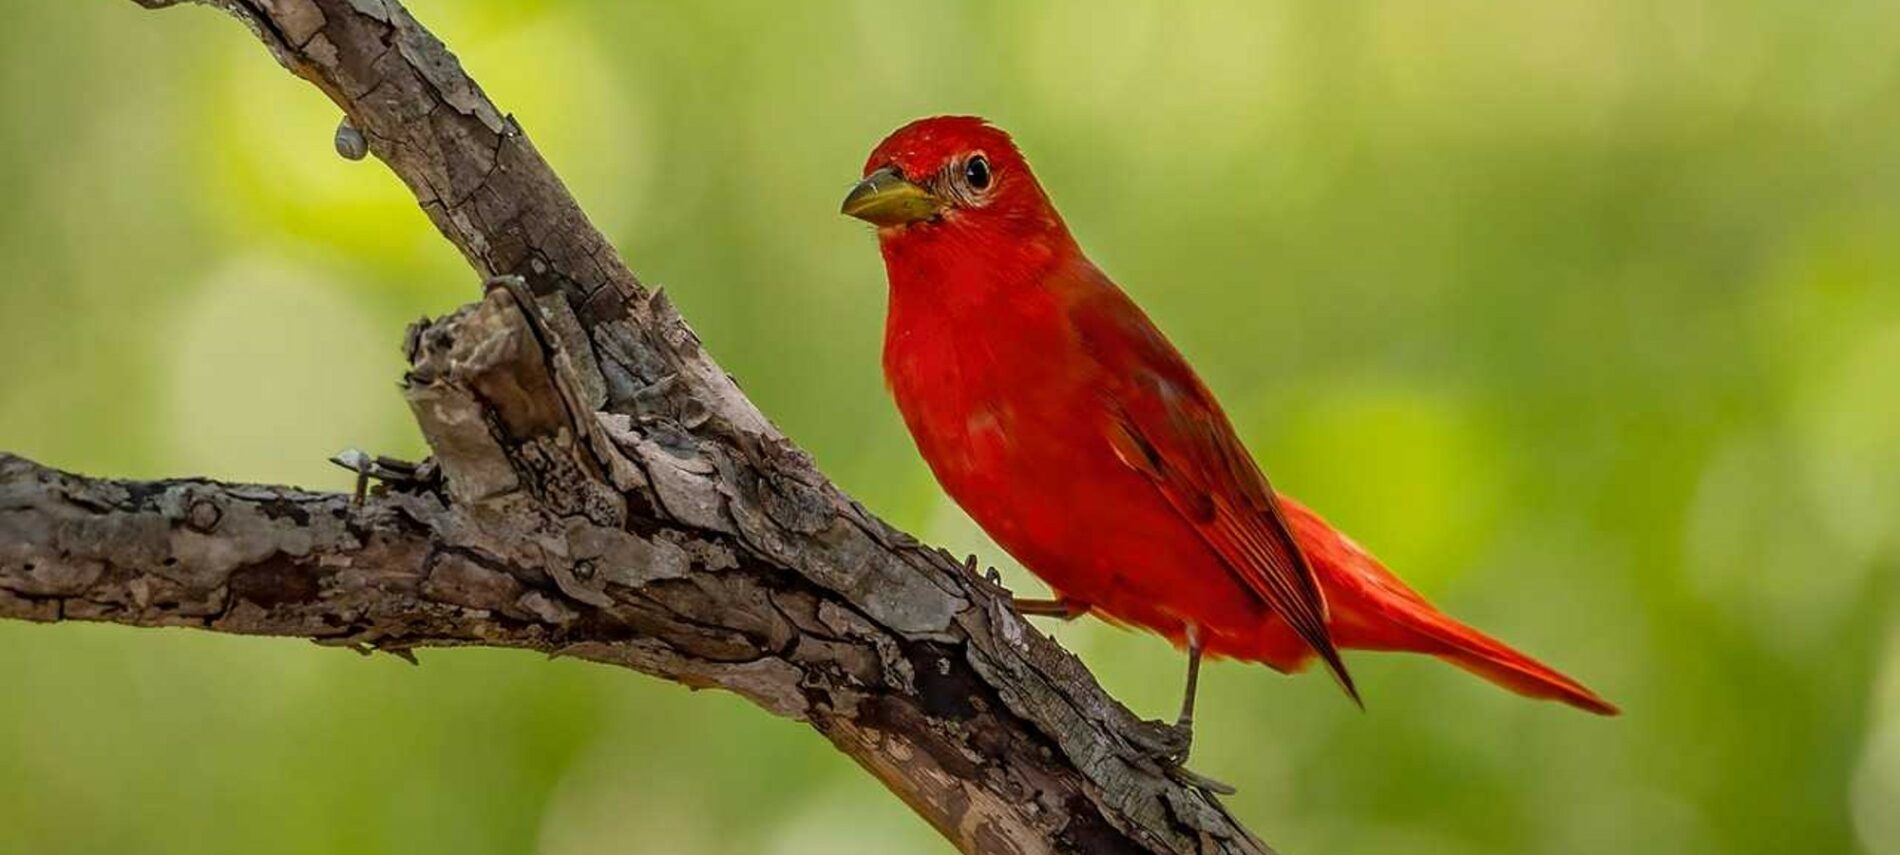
column 1174, row 741
column 1055, row 608
column 1185, row 721
column 1172, row 748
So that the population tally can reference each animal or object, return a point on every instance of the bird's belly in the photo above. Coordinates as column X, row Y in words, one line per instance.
column 1051, row 491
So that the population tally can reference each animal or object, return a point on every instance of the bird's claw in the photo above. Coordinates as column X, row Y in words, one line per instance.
column 989, row 575
column 1168, row 745
column 1199, row 781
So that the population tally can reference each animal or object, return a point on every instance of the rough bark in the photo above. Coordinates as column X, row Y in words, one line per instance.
column 604, row 492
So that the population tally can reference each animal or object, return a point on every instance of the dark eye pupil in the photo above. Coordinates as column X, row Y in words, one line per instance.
column 977, row 173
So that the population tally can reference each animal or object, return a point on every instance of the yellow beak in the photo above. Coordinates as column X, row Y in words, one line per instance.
column 884, row 198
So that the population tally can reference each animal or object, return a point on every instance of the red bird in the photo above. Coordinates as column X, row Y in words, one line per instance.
column 1070, row 429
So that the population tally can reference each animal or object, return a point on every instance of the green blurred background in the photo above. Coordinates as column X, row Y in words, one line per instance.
column 1584, row 316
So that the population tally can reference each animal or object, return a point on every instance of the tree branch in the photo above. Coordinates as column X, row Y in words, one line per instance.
column 607, row 493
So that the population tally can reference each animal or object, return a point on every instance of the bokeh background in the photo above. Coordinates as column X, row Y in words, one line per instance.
column 1584, row 316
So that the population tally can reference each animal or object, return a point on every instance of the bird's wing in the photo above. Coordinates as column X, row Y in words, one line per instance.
column 1165, row 424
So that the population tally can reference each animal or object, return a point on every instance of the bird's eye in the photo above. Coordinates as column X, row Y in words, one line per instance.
column 976, row 173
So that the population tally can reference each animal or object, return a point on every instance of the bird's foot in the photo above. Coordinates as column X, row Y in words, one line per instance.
column 1189, row 777
column 1169, row 744
column 976, row 571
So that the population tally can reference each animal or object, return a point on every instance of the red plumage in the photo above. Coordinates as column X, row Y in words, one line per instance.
column 1058, row 416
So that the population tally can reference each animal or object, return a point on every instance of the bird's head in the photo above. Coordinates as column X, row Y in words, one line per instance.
column 948, row 177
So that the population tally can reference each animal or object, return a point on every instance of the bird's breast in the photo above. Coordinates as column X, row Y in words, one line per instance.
column 959, row 409
column 1006, row 412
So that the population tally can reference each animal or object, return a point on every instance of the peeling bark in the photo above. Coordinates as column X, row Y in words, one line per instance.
column 607, row 493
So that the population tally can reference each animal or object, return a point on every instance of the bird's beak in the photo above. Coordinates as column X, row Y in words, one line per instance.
column 884, row 198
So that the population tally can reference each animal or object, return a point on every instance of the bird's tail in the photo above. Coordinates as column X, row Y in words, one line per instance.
column 1373, row 609
column 1496, row 661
